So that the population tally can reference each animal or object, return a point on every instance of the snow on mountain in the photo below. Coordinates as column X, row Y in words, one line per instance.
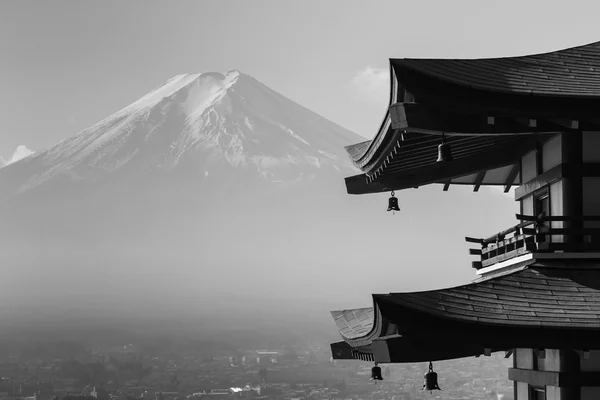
column 20, row 153
column 200, row 122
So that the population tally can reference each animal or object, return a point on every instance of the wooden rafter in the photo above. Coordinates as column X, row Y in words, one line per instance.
column 479, row 180
column 512, row 175
column 492, row 158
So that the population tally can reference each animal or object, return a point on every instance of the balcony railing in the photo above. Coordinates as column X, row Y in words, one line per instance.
column 541, row 234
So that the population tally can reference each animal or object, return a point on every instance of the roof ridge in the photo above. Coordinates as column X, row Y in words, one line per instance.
column 546, row 53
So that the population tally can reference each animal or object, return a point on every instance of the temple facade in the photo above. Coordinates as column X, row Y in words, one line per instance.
column 528, row 122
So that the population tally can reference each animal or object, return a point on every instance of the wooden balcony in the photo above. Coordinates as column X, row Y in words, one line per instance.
column 543, row 235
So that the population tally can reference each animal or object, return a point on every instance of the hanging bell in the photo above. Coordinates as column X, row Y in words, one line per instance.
column 431, row 380
column 444, row 151
column 393, row 203
column 376, row 373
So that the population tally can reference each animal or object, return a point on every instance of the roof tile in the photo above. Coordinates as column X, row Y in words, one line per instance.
column 531, row 304
column 572, row 72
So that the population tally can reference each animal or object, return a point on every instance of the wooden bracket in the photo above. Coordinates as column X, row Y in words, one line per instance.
column 585, row 354
column 528, row 122
column 540, row 353
column 509, row 353
column 511, row 177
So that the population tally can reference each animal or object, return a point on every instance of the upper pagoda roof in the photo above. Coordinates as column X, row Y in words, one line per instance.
column 573, row 72
column 490, row 111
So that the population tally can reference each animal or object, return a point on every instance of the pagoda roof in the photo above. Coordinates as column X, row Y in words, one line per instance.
column 542, row 297
column 478, row 106
column 573, row 72
column 536, row 305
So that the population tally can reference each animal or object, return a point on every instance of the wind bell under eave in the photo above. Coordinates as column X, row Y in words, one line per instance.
column 431, row 382
column 376, row 373
column 393, row 204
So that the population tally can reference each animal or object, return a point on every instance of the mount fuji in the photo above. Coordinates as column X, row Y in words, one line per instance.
column 205, row 194
column 202, row 124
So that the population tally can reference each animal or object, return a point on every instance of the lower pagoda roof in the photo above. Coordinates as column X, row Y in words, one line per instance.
column 543, row 305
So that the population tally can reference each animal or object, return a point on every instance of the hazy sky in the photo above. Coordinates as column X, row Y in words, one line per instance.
column 67, row 64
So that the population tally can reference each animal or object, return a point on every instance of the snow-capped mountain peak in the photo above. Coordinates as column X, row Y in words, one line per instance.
column 201, row 121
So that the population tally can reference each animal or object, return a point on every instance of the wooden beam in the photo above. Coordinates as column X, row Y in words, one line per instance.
column 479, row 180
column 446, row 186
column 553, row 175
column 512, row 175
column 473, row 240
column 534, row 378
column 416, row 117
column 556, row 379
column 530, row 218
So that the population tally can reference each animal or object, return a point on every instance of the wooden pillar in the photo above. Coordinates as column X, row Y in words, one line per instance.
column 569, row 363
column 572, row 188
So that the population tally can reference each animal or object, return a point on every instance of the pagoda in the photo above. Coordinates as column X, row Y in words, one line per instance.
column 531, row 123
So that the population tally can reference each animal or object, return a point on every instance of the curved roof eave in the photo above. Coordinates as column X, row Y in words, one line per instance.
column 359, row 327
column 361, row 153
